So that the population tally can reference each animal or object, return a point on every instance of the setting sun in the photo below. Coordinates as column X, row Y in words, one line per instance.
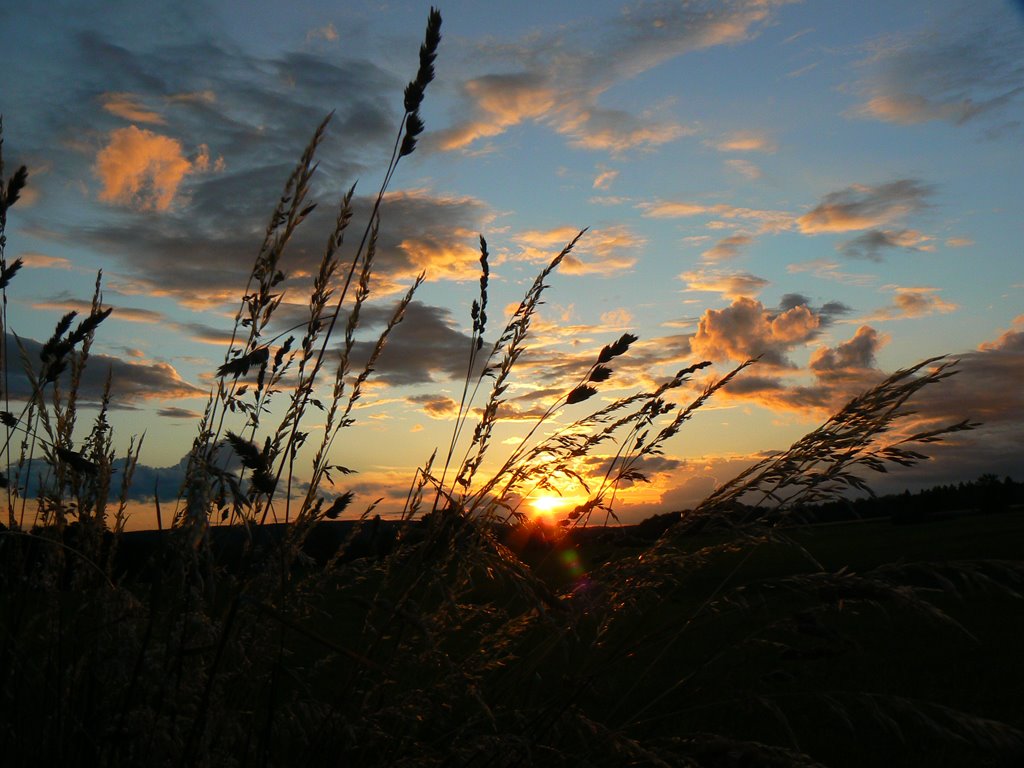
column 547, row 506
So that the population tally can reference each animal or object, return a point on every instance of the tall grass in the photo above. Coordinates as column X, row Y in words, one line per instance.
column 461, row 640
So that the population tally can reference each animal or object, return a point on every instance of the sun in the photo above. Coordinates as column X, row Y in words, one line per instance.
column 546, row 506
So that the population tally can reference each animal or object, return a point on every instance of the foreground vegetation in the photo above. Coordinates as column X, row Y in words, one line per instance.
column 465, row 641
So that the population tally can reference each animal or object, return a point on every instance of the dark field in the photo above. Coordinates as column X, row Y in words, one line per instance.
column 843, row 671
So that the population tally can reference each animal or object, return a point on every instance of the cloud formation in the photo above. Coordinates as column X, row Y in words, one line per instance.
column 141, row 169
column 129, row 107
column 764, row 221
column 863, row 207
column 132, row 383
column 557, row 79
column 914, row 301
column 607, row 251
column 732, row 285
column 871, row 244
column 726, row 248
column 744, row 141
column 855, row 354
column 961, row 70
column 747, row 329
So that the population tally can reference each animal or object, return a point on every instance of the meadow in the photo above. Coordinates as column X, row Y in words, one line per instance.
column 466, row 634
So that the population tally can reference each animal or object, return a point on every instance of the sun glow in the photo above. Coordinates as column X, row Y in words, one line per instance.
column 548, row 506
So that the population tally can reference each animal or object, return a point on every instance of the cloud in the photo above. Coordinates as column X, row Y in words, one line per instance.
column 732, row 285
column 326, row 32
column 617, row 318
column 746, row 329
column 131, row 382
column 959, row 242
column 129, row 107
column 557, row 78
column 64, row 303
column 141, row 169
column 175, row 412
column 766, row 220
column 912, row 302
column 745, row 168
column 726, row 248
column 189, row 254
column 606, row 252
column 863, row 207
column 960, row 70
column 985, row 389
column 825, row 269
column 33, row 260
column 604, row 179
column 436, row 406
column 744, row 141
column 425, row 347
column 870, row 244
column 855, row 354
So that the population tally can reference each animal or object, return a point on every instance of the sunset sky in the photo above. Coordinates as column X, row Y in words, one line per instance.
column 838, row 187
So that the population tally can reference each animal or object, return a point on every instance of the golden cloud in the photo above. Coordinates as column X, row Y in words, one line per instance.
column 915, row 301
column 732, row 285
column 746, row 329
column 141, row 169
column 128, row 106
column 606, row 251
column 864, row 207
column 726, row 248
column 744, row 141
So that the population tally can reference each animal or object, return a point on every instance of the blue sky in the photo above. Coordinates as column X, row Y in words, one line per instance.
column 833, row 186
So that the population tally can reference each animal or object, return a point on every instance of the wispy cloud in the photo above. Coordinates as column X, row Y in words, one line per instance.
column 744, row 141
column 910, row 302
column 34, row 260
column 764, row 220
column 826, row 269
column 65, row 303
column 557, row 79
column 727, row 248
column 132, row 382
column 604, row 179
column 326, row 32
column 864, row 207
column 960, row 70
column 871, row 244
column 732, row 285
column 606, row 251
column 129, row 106
column 745, row 168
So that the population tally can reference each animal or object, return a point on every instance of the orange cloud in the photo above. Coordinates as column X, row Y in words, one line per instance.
column 604, row 179
column 855, row 354
column 864, row 207
column 42, row 261
column 726, row 248
column 744, row 141
column 141, row 169
column 747, row 329
column 766, row 220
column 745, row 168
column 870, row 244
column 732, row 285
column 606, row 251
column 326, row 32
column 128, row 106
column 913, row 302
